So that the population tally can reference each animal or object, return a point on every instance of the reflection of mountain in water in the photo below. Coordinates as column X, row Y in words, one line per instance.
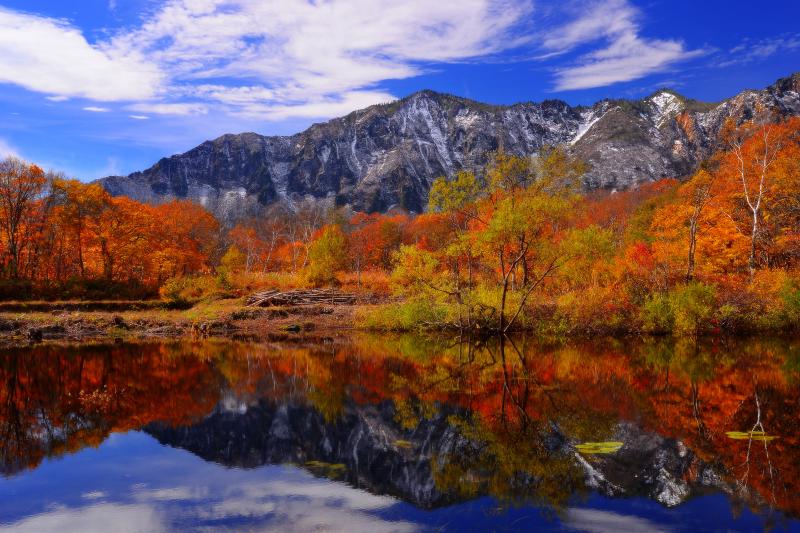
column 378, row 454
column 430, row 423
column 384, row 458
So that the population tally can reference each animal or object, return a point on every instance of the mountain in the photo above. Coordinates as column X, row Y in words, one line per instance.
column 387, row 155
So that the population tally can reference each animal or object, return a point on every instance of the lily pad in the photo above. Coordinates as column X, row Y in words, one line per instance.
column 598, row 447
column 750, row 435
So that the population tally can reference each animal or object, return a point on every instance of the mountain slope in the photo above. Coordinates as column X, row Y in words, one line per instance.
column 388, row 155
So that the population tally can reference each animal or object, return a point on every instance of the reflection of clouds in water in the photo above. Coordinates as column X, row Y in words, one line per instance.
column 597, row 521
column 297, row 502
column 99, row 518
column 314, row 488
column 142, row 494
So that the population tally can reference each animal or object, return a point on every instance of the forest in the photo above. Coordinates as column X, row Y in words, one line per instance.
column 515, row 245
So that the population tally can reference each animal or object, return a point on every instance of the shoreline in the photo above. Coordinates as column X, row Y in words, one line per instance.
column 68, row 321
column 83, row 322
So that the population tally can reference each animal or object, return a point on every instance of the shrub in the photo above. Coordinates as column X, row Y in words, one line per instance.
column 188, row 290
column 404, row 316
column 594, row 309
column 233, row 261
column 692, row 307
column 790, row 296
column 656, row 314
column 685, row 310
column 372, row 281
column 729, row 317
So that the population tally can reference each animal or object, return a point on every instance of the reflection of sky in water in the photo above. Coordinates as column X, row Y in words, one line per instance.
column 132, row 483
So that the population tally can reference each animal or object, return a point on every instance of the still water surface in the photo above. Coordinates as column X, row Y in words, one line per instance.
column 401, row 434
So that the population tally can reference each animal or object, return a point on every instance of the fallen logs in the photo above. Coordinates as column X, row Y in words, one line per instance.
column 273, row 298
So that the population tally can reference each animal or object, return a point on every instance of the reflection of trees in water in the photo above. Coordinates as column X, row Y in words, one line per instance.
column 518, row 407
column 58, row 400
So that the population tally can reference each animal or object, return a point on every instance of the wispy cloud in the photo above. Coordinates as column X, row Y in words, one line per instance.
column 599, row 521
column 171, row 108
column 96, row 109
column 750, row 50
column 7, row 150
column 624, row 54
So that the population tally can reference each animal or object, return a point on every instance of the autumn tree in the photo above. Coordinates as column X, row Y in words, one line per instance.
column 752, row 165
column 20, row 186
column 77, row 203
column 187, row 236
column 505, row 240
column 327, row 255
column 373, row 239
column 680, row 221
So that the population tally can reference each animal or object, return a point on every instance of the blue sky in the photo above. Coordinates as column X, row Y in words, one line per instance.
column 102, row 87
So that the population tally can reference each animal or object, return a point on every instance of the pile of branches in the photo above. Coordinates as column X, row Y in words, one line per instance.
column 272, row 298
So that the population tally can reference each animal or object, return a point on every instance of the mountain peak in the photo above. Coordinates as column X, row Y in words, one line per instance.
column 389, row 154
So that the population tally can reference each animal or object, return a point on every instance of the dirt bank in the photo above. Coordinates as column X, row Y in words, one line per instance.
column 220, row 318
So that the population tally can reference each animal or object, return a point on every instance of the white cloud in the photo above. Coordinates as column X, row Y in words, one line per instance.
column 285, row 499
column 57, row 98
column 276, row 60
column 49, row 56
column 268, row 59
column 171, row 108
column 309, row 57
column 625, row 54
column 322, row 107
column 96, row 109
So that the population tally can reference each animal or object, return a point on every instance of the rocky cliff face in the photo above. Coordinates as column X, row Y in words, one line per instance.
column 388, row 155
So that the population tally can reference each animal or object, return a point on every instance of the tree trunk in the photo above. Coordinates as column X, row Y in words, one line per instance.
column 752, row 261
column 692, row 247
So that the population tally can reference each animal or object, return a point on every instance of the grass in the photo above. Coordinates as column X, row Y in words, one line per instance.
column 211, row 310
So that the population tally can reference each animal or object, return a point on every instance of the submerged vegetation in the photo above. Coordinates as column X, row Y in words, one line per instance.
column 515, row 245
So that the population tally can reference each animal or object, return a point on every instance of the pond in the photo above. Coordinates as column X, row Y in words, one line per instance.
column 401, row 433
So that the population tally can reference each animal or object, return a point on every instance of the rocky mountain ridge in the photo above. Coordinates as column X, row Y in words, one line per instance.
column 387, row 155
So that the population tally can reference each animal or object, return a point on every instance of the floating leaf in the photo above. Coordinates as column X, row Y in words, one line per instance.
column 329, row 470
column 750, row 435
column 598, row 447
column 403, row 443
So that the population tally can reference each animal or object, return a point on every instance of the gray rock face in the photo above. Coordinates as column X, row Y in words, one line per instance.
column 388, row 155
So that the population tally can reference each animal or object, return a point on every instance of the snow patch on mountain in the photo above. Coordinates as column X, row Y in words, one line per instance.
column 666, row 106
